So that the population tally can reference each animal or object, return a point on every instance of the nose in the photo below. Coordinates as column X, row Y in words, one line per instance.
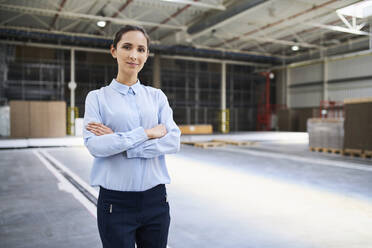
column 133, row 55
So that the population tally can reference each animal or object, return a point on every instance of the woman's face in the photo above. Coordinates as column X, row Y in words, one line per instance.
column 131, row 52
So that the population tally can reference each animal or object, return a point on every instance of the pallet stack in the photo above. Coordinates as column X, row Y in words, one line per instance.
column 196, row 129
column 326, row 134
column 37, row 119
column 358, row 126
column 287, row 120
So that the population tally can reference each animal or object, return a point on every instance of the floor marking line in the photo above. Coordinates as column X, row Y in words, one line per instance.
column 60, row 171
column 320, row 161
column 66, row 170
column 66, row 185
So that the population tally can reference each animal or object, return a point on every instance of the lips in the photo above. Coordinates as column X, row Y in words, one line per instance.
column 132, row 64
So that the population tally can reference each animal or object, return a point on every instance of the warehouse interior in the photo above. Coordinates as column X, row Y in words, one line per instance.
column 273, row 99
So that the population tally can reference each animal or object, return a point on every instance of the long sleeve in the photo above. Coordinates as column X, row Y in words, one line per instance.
column 170, row 143
column 109, row 144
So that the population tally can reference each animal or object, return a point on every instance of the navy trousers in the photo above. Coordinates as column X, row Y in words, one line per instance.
column 126, row 218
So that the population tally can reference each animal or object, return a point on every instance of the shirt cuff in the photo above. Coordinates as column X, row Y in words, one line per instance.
column 137, row 151
column 136, row 136
column 133, row 152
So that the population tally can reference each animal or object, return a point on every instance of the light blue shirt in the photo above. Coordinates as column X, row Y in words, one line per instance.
column 127, row 160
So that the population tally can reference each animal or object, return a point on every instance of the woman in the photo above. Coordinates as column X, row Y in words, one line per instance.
column 128, row 129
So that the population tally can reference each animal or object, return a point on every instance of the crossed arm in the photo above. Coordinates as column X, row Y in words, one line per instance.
column 99, row 129
column 101, row 141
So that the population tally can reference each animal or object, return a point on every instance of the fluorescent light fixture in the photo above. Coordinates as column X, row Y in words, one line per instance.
column 198, row 4
column 359, row 10
column 295, row 48
column 101, row 24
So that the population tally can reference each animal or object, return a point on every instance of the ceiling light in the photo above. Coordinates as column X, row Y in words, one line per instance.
column 101, row 24
column 295, row 48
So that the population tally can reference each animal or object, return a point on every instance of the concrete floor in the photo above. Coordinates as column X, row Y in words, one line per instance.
column 277, row 194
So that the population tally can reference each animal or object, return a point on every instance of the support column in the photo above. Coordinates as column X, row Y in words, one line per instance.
column 197, row 95
column 370, row 34
column 223, row 98
column 156, row 79
column 288, row 83
column 187, row 96
column 325, row 79
column 72, row 87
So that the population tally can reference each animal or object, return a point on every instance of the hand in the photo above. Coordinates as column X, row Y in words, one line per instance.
column 156, row 132
column 98, row 128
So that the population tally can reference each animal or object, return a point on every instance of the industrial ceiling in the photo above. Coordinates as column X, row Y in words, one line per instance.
column 289, row 30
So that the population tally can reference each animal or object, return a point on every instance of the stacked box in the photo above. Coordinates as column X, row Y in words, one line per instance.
column 19, row 119
column 326, row 133
column 37, row 119
column 358, row 124
column 287, row 120
column 304, row 114
column 196, row 129
column 4, row 121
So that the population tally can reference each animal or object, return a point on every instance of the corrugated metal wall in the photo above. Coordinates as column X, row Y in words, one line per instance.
column 349, row 77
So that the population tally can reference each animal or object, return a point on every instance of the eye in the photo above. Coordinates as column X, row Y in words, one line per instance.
column 127, row 47
column 141, row 49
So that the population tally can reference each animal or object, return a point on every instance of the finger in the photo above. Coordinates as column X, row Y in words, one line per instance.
column 108, row 130
column 100, row 128
column 95, row 131
column 93, row 123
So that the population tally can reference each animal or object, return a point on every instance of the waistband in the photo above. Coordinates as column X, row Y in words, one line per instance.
column 159, row 189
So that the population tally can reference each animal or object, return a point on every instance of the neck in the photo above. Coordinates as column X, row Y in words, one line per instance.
column 127, row 79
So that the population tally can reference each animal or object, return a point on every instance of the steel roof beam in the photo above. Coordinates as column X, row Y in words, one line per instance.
column 281, row 42
column 222, row 18
column 56, row 15
column 73, row 15
column 197, row 4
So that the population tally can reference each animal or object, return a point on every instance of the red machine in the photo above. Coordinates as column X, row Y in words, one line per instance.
column 331, row 109
column 264, row 109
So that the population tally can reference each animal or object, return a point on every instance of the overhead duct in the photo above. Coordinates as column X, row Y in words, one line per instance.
column 352, row 46
column 162, row 49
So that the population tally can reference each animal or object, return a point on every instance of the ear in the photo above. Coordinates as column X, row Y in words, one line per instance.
column 113, row 51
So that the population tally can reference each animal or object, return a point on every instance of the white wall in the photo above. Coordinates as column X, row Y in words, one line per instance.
column 355, row 67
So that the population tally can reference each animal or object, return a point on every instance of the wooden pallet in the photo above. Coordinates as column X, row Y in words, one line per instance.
column 188, row 142
column 367, row 154
column 316, row 149
column 353, row 152
column 334, row 151
column 236, row 142
column 327, row 150
column 204, row 144
column 209, row 144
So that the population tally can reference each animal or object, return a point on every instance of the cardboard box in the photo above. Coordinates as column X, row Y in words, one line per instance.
column 358, row 126
column 56, row 119
column 4, row 121
column 196, row 129
column 37, row 119
column 19, row 119
column 288, row 120
column 326, row 133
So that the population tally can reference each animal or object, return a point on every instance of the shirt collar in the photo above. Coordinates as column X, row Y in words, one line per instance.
column 122, row 88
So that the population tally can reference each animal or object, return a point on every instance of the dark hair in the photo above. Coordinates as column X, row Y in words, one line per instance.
column 126, row 29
